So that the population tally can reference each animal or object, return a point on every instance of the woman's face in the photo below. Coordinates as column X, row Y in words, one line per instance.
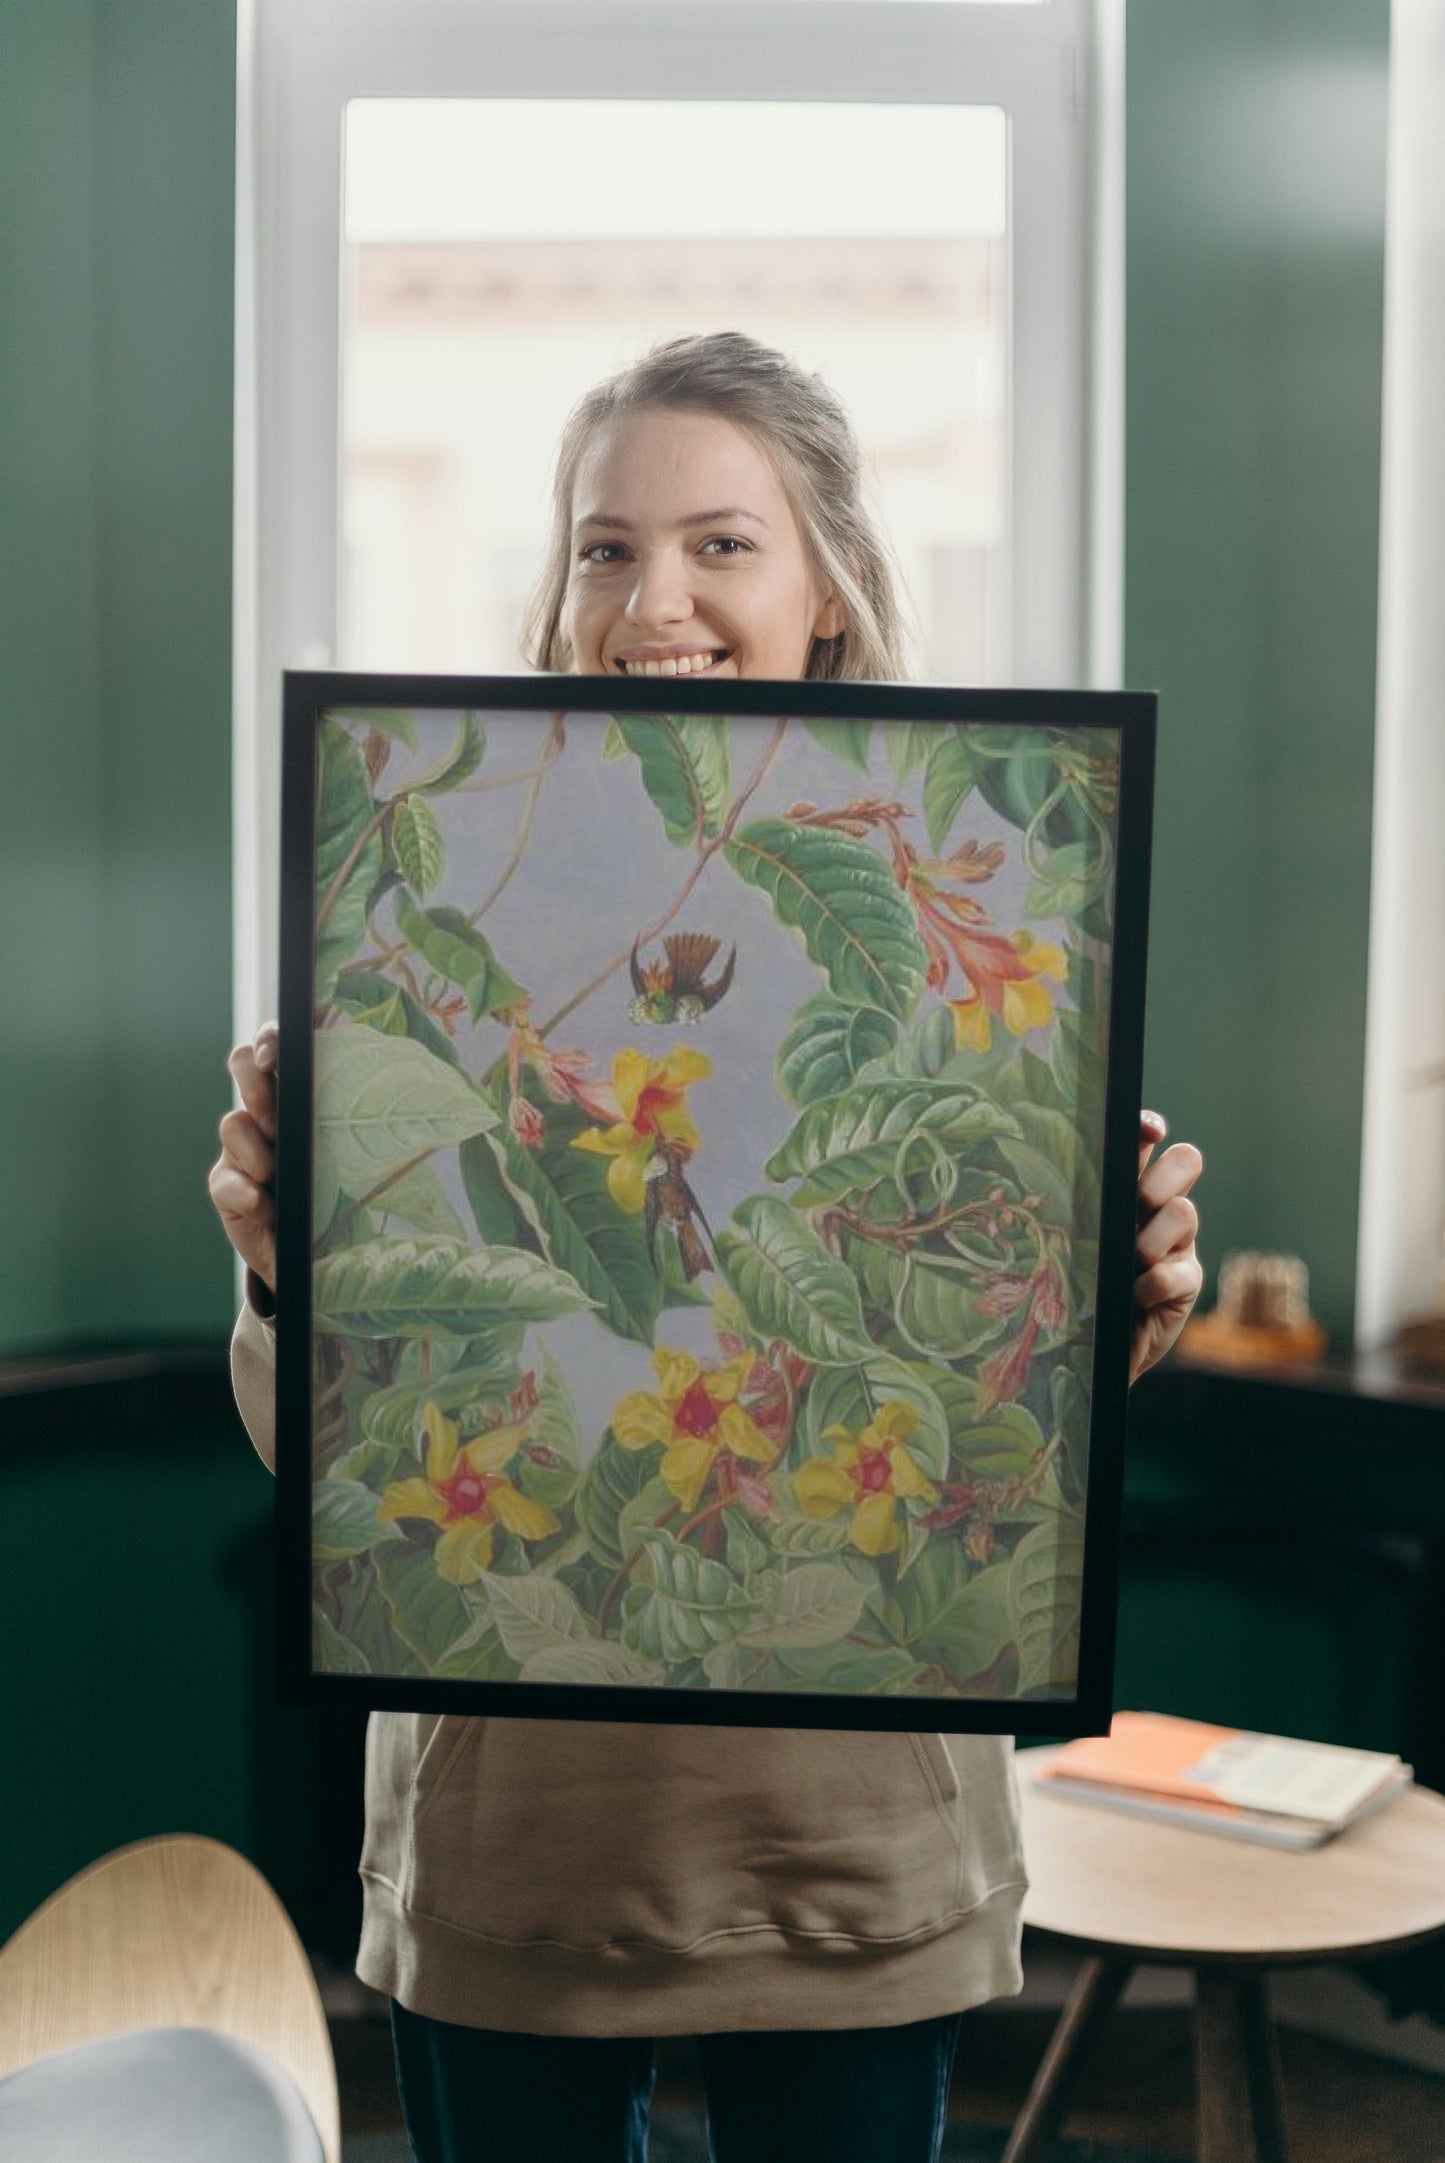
column 686, row 556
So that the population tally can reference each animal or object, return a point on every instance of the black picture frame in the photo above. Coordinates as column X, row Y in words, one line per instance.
column 307, row 697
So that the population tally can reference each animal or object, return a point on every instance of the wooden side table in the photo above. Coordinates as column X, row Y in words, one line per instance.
column 1125, row 1890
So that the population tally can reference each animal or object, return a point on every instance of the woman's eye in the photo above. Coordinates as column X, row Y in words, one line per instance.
column 726, row 544
column 602, row 552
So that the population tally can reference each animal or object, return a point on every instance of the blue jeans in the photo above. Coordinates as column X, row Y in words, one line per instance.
column 832, row 2095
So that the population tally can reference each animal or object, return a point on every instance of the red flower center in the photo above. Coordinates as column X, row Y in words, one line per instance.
column 871, row 1471
column 696, row 1414
column 465, row 1493
column 653, row 1100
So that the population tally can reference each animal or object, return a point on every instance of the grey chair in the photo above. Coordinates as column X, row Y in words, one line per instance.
column 160, row 2007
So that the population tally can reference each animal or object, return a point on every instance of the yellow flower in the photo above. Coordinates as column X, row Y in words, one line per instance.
column 696, row 1417
column 1006, row 978
column 651, row 1102
column 869, row 1473
column 467, row 1492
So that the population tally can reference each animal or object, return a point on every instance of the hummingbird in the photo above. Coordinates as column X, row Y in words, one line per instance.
column 668, row 1199
column 675, row 990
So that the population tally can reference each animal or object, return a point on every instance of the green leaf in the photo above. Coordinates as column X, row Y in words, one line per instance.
column 953, row 770
column 381, row 1100
column 391, row 1417
column 363, row 1620
column 563, row 1194
column 685, row 769
column 344, row 1522
column 375, row 1001
column 909, row 743
column 849, row 1670
column 1051, row 1160
column 466, row 756
column 397, row 721
column 807, row 1536
column 457, row 951
column 331, row 1653
column 931, row 1305
column 826, row 1044
column 420, row 1199
column 882, row 1130
column 477, row 1656
column 600, row 1662
column 815, row 1604
column 421, row 1287
column 1070, row 880
column 1000, row 1446
column 957, row 1618
column 849, row 1397
column 344, row 811
column 533, row 1614
column 554, row 1429
column 789, row 1285
column 416, row 840
column 1046, row 1589
column 682, row 1603
column 736, row 1665
column 1078, row 1061
column 847, row 740
column 425, row 1611
column 376, row 1462
column 614, row 1478
column 841, row 895
column 1069, row 1402
column 643, row 1511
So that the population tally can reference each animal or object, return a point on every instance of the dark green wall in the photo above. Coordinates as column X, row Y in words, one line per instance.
column 139, row 1548
column 117, row 131
column 1256, row 166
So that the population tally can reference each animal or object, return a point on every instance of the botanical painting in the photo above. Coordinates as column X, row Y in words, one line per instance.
column 707, row 1127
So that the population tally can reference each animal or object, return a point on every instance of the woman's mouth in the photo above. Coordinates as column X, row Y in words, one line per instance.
column 679, row 664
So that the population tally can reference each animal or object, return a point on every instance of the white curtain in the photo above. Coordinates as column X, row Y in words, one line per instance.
column 1403, row 1185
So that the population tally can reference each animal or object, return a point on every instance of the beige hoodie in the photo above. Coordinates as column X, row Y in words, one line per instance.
column 588, row 1878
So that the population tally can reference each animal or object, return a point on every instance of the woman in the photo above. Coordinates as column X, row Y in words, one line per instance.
column 542, row 1897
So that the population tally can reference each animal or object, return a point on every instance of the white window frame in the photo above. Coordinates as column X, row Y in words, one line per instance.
column 1056, row 70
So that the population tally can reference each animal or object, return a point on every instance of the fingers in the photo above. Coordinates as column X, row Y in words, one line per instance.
column 248, row 1217
column 1170, row 1230
column 1172, row 1174
column 1153, row 1126
column 245, row 1145
column 253, row 1069
column 1175, row 1282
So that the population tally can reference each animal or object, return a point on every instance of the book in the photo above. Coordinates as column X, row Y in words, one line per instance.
column 1246, row 1786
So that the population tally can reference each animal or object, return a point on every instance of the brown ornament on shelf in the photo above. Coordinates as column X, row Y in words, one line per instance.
column 1262, row 1318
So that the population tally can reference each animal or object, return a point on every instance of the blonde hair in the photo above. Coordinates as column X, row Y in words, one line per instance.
column 804, row 428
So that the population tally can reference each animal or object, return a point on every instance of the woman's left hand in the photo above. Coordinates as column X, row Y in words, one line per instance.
column 1168, row 1275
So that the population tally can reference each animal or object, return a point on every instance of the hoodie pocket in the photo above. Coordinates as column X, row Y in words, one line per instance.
column 585, row 1835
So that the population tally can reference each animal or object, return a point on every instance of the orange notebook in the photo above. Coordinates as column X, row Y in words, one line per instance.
column 1189, row 1760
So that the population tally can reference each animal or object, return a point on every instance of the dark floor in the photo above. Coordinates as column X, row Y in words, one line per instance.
column 1343, row 2105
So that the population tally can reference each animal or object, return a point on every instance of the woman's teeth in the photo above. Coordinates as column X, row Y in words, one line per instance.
column 687, row 664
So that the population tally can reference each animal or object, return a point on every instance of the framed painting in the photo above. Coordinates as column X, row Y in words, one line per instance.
column 708, row 1138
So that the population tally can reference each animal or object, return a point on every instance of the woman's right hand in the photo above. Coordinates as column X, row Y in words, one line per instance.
column 241, row 1179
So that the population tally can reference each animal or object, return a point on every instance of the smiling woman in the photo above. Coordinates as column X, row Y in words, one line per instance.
column 643, row 577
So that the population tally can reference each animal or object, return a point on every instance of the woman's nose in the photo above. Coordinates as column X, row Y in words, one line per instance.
column 661, row 595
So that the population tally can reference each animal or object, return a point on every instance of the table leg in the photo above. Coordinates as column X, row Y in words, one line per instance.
column 1095, row 1993
column 1241, row 2116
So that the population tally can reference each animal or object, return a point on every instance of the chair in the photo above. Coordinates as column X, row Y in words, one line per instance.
column 163, row 1982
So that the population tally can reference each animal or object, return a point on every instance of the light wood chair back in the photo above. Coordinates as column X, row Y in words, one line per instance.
column 176, row 1932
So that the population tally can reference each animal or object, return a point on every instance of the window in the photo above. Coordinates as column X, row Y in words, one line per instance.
column 449, row 211
column 466, row 299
